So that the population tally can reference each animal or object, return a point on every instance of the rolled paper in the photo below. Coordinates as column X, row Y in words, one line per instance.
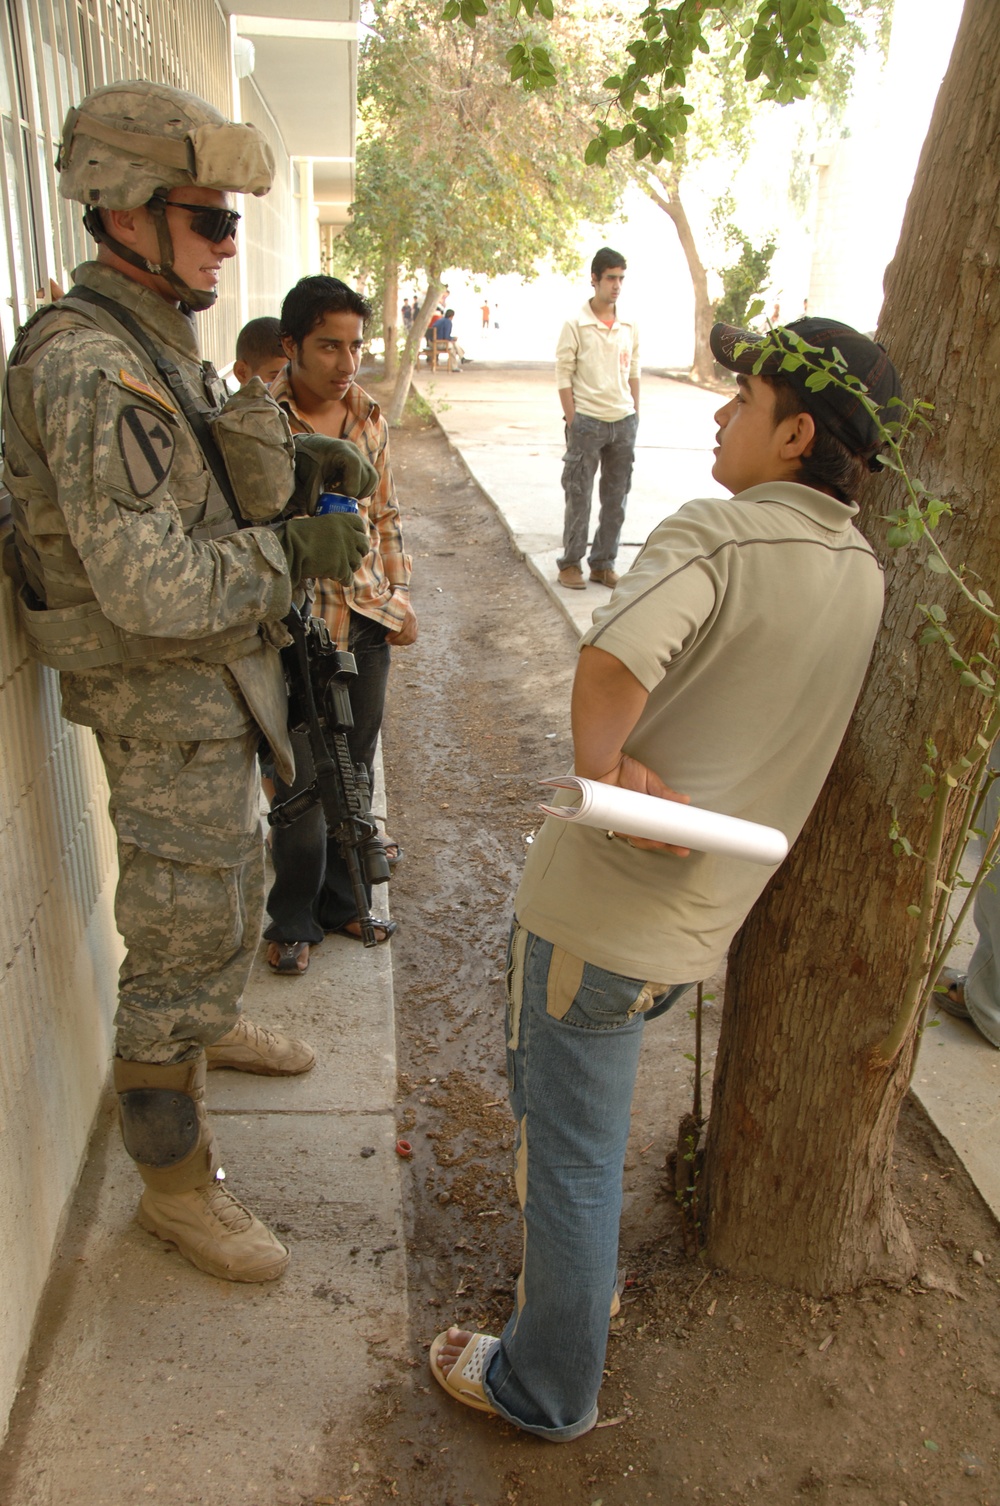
column 612, row 809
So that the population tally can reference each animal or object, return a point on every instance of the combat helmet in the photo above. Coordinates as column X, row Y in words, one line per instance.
column 129, row 143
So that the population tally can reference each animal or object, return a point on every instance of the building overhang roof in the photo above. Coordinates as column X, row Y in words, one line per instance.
column 306, row 68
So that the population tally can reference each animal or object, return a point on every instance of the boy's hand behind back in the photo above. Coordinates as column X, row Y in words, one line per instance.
column 632, row 775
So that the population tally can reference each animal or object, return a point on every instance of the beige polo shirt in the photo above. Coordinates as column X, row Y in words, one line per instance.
column 598, row 363
column 751, row 623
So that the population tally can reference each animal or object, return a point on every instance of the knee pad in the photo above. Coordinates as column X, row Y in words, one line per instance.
column 160, row 1126
column 164, row 1124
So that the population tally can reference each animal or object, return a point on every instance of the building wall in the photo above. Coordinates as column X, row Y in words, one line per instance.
column 270, row 229
column 59, row 949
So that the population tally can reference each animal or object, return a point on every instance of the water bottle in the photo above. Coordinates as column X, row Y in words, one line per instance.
column 335, row 502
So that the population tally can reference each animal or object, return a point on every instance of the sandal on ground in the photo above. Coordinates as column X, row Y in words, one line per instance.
column 287, row 957
column 616, row 1295
column 464, row 1380
column 951, row 998
column 387, row 927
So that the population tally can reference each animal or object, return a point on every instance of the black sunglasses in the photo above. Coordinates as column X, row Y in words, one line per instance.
column 215, row 225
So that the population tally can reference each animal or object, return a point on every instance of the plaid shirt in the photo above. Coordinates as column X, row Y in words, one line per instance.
column 380, row 587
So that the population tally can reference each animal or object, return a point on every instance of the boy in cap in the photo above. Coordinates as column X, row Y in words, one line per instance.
column 726, row 666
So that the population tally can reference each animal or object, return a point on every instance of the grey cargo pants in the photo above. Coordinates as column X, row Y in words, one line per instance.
column 591, row 442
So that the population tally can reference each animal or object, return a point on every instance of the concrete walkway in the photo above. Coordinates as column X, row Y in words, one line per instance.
column 506, row 424
column 151, row 1381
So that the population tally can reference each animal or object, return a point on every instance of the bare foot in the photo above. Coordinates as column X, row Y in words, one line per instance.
column 383, row 929
column 279, row 955
column 451, row 1349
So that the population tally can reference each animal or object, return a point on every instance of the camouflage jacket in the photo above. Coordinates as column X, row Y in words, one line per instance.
column 136, row 543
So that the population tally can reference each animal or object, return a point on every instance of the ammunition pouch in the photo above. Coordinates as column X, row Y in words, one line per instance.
column 255, row 441
column 80, row 637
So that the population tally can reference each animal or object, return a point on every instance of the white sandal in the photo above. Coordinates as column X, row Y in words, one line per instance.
column 464, row 1380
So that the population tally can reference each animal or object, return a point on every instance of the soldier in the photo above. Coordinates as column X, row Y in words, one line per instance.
column 163, row 613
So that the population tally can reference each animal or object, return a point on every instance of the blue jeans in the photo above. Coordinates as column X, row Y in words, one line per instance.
column 573, row 1038
column 592, row 442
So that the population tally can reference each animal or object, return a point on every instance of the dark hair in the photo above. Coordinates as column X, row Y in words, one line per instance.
column 259, row 340
column 448, row 313
column 830, row 465
column 605, row 260
column 312, row 298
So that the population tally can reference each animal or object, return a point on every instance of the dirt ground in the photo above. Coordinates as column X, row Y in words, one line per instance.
column 717, row 1390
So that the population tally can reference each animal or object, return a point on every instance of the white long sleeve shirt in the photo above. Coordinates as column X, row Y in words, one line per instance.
column 597, row 363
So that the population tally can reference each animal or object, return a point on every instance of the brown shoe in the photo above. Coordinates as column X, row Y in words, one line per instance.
column 604, row 578
column 215, row 1232
column 571, row 576
column 251, row 1048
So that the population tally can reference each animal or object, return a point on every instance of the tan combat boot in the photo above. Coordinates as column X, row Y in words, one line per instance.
column 167, row 1133
column 251, row 1048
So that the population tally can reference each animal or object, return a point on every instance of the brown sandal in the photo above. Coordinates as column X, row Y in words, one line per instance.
column 284, row 957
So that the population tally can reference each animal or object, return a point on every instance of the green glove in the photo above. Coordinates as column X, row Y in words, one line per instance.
column 329, row 465
column 332, row 546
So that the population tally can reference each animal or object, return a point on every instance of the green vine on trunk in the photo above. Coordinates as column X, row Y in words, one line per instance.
column 956, row 792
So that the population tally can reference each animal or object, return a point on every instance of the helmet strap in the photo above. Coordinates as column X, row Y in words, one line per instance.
column 195, row 299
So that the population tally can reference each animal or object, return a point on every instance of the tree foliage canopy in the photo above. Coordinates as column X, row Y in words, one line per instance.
column 784, row 47
column 456, row 168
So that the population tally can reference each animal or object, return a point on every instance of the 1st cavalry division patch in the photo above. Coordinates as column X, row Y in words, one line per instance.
column 147, row 447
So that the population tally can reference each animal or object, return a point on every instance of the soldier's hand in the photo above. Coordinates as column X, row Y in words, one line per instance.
column 331, row 546
column 329, row 465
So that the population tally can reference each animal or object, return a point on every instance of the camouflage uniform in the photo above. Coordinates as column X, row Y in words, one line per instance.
column 136, row 581
column 140, row 545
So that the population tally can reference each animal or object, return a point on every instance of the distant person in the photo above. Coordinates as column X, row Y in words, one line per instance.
column 407, row 315
column 258, row 351
column 975, row 995
column 485, row 311
column 597, row 374
column 444, row 330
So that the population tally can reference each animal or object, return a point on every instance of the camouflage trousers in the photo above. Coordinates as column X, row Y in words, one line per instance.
column 190, row 894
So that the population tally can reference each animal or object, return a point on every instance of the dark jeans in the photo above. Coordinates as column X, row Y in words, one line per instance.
column 591, row 442
column 311, row 892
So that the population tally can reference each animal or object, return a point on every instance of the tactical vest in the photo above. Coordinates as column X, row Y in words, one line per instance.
column 63, row 623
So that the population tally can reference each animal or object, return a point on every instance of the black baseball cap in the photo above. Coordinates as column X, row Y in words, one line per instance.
column 841, row 410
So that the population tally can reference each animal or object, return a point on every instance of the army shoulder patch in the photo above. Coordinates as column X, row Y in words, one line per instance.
column 134, row 385
column 147, row 447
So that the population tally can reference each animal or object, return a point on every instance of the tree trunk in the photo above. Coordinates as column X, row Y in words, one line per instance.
column 390, row 314
column 806, row 1102
column 414, row 344
column 703, row 365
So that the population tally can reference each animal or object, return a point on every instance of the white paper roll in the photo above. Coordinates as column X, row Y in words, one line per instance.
column 610, row 808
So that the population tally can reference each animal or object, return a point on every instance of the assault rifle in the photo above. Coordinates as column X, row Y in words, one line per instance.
column 318, row 676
